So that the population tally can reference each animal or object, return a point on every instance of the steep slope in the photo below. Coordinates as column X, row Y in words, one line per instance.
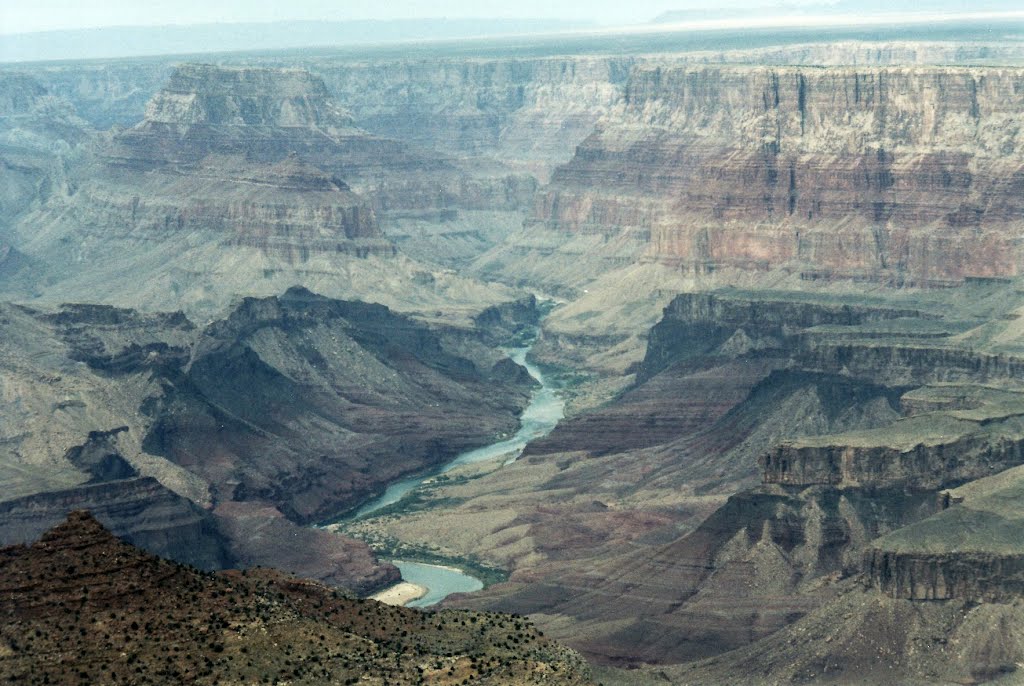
column 290, row 410
column 635, row 530
column 138, row 617
column 938, row 601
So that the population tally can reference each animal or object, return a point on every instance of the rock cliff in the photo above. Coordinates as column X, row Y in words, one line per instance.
column 900, row 175
column 247, row 180
column 530, row 113
column 727, row 375
column 37, row 131
column 141, row 511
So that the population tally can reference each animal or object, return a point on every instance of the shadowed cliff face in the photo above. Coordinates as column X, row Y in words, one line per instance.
column 899, row 175
column 313, row 404
column 216, row 444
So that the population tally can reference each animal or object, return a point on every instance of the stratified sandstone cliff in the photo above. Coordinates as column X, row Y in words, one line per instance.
column 900, row 175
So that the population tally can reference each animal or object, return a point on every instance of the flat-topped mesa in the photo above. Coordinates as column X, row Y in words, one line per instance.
column 900, row 175
column 265, row 115
column 202, row 94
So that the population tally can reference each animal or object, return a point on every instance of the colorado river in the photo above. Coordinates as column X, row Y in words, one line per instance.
column 439, row 581
column 545, row 410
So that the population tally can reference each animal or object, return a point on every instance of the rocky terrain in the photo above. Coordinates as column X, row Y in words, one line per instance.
column 37, row 131
column 621, row 531
column 787, row 320
column 223, row 439
column 875, row 174
column 137, row 618
column 243, row 180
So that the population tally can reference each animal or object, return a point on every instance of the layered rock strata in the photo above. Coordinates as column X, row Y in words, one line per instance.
column 141, row 511
column 727, row 374
column 828, row 173
column 232, row 151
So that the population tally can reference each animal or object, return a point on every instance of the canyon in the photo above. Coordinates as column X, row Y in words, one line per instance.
column 776, row 286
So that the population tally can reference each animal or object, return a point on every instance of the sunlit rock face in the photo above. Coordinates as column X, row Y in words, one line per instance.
column 900, row 175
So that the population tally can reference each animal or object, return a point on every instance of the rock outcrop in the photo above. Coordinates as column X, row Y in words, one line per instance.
column 530, row 113
column 899, row 175
column 234, row 151
column 247, row 181
column 933, row 455
column 727, row 374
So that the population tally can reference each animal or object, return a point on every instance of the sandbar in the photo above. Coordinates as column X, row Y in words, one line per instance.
column 400, row 594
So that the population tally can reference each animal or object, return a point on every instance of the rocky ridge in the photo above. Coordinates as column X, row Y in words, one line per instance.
column 140, row 618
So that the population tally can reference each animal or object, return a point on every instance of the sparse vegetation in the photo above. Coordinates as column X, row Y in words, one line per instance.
column 178, row 625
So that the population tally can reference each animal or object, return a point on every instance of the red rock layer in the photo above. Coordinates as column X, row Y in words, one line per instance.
column 899, row 175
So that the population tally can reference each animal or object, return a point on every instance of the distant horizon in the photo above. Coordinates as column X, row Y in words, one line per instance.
column 41, row 16
column 130, row 41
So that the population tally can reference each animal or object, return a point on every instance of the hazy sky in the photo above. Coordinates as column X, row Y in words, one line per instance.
column 18, row 16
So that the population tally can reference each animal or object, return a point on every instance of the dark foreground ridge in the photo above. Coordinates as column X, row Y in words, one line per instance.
column 81, row 607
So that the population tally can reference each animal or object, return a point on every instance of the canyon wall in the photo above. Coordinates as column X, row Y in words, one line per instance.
column 141, row 511
column 37, row 131
column 213, row 445
column 962, row 452
column 527, row 112
column 929, row 402
column 900, row 175
column 980, row 577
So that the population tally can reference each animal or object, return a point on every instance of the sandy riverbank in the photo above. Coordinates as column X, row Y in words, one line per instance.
column 400, row 593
